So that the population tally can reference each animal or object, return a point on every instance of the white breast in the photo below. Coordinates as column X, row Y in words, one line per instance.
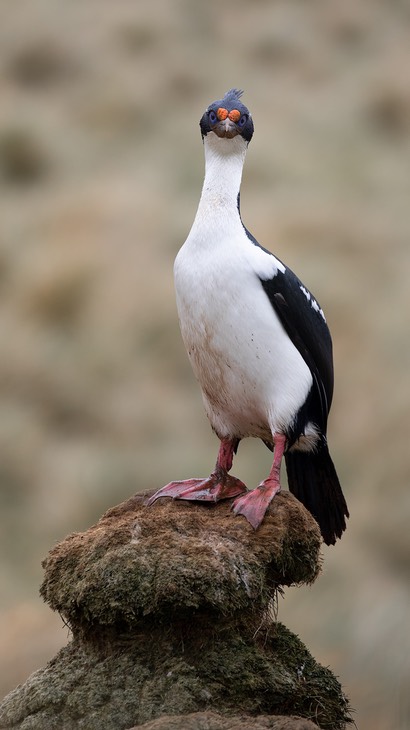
column 252, row 377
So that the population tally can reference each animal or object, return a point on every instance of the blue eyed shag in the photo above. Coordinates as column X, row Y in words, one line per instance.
column 258, row 343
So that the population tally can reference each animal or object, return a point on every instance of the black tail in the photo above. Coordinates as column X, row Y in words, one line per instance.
column 313, row 480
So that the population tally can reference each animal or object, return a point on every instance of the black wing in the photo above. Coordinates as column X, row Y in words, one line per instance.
column 305, row 324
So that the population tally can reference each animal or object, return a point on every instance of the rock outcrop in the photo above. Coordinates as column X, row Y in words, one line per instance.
column 172, row 614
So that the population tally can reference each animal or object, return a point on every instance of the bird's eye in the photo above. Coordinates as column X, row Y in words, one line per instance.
column 212, row 116
column 242, row 120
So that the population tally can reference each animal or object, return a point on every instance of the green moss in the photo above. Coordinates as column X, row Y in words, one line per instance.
column 112, row 682
column 139, row 562
column 169, row 609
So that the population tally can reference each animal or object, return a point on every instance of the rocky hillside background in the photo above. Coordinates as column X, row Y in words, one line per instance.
column 101, row 167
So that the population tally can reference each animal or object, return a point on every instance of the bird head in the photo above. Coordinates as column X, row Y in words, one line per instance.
column 228, row 118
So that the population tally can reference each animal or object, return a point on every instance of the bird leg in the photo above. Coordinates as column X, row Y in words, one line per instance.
column 219, row 485
column 254, row 504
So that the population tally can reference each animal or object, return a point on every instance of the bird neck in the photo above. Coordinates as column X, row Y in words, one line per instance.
column 224, row 159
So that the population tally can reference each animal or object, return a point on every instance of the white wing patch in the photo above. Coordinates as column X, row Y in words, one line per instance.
column 265, row 265
column 313, row 302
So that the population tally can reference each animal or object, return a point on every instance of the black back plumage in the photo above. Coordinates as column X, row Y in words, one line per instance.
column 308, row 331
column 304, row 323
column 312, row 477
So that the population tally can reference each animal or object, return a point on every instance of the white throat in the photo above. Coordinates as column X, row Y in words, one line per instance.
column 217, row 217
column 224, row 159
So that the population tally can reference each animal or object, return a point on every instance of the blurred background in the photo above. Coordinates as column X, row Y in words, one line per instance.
column 101, row 167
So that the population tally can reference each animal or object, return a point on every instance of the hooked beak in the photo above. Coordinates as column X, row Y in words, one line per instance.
column 226, row 128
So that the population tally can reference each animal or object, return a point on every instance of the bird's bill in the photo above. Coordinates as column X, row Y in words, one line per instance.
column 226, row 128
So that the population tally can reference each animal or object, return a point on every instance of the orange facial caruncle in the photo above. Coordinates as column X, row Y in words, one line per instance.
column 233, row 115
column 222, row 113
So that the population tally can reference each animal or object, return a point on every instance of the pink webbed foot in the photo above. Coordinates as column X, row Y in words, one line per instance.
column 219, row 485
column 253, row 505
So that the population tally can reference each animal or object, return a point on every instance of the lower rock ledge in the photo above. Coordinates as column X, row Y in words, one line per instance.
column 115, row 682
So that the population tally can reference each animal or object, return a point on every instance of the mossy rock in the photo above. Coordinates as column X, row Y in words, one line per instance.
column 170, row 609
column 140, row 561
column 114, row 682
